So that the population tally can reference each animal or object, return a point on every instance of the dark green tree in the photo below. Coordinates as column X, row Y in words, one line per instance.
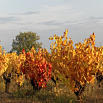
column 25, row 40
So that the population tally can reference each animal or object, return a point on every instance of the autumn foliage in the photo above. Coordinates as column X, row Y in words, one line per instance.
column 36, row 68
column 73, row 66
column 3, row 61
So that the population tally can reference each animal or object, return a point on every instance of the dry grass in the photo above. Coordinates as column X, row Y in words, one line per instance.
column 49, row 95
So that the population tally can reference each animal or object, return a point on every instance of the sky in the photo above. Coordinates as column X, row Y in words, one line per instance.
column 50, row 17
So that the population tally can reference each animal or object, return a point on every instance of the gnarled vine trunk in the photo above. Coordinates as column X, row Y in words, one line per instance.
column 35, row 85
column 77, row 85
column 80, row 91
column 99, row 78
column 7, row 79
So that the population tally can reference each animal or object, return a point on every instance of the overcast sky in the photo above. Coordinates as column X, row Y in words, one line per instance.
column 50, row 17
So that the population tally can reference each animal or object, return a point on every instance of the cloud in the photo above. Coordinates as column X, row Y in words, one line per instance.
column 8, row 19
column 51, row 23
column 61, row 13
column 30, row 12
column 28, row 23
column 64, row 8
column 48, row 17
column 55, row 23
column 88, row 21
column 91, row 21
column 25, row 13
column 95, row 18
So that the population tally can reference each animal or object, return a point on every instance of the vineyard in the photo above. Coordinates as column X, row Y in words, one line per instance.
column 67, row 74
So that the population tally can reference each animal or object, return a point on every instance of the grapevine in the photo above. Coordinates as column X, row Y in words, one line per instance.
column 36, row 69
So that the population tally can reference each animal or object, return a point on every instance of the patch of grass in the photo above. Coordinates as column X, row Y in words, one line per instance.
column 2, row 85
column 52, row 95
column 65, row 99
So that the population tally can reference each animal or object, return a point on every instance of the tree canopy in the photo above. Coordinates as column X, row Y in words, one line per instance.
column 25, row 41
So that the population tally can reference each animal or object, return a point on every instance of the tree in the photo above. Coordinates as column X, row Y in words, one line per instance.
column 25, row 41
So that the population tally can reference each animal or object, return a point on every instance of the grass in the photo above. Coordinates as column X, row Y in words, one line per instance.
column 51, row 94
